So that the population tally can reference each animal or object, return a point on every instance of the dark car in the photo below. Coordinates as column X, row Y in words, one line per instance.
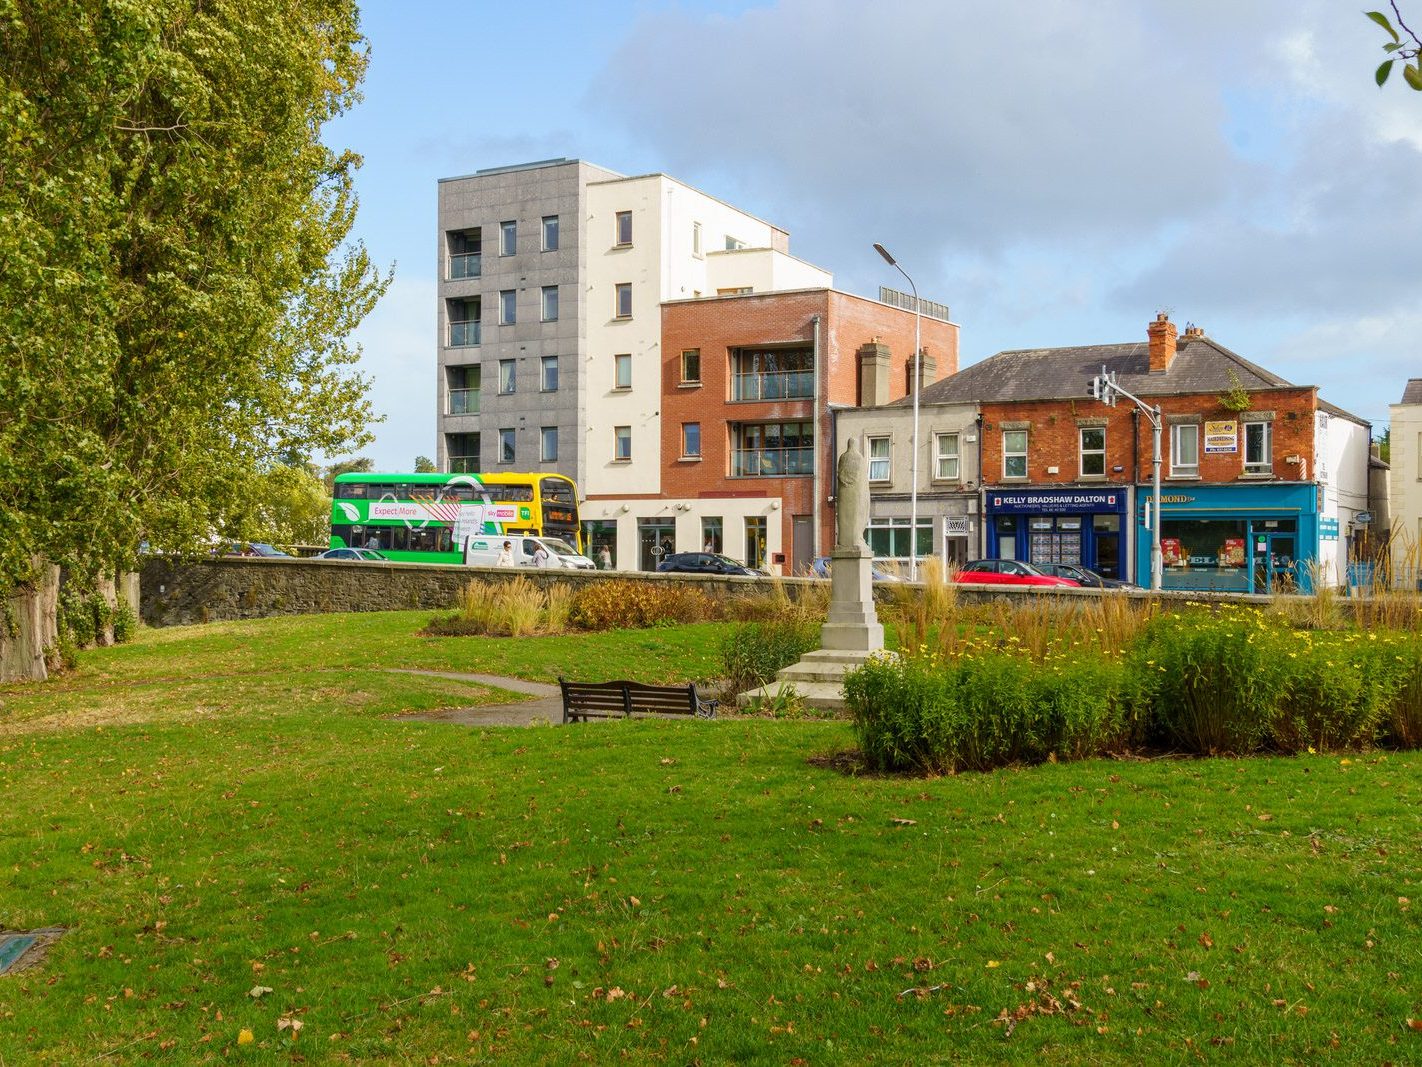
column 256, row 548
column 1083, row 576
column 1008, row 572
column 704, row 563
column 361, row 555
column 820, row 568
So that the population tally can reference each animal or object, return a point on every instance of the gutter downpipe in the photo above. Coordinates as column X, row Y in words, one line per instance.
column 818, row 483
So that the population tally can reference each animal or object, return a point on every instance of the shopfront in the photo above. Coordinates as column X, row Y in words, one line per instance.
column 1233, row 538
column 1073, row 525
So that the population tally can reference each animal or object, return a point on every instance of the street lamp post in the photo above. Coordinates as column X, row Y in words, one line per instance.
column 913, row 441
column 1106, row 389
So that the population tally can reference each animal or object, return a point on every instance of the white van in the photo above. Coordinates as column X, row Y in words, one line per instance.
column 483, row 550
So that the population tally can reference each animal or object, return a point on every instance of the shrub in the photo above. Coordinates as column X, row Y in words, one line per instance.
column 515, row 608
column 1400, row 658
column 753, row 651
column 627, row 604
column 125, row 621
column 1335, row 695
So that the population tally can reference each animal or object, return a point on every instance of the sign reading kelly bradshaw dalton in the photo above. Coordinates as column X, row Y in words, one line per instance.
column 1222, row 436
column 1049, row 502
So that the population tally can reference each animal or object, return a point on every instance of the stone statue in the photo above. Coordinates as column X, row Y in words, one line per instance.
column 851, row 502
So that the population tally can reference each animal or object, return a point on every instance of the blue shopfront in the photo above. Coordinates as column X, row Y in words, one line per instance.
column 1073, row 525
column 1233, row 538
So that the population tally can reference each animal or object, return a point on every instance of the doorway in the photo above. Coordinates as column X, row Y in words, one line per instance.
column 802, row 548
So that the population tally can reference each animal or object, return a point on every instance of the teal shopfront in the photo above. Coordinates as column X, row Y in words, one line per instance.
column 1232, row 538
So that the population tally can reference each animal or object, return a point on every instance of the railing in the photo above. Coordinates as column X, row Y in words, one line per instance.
column 463, row 464
column 464, row 401
column 773, row 385
column 927, row 308
column 465, row 265
column 771, row 462
column 464, row 334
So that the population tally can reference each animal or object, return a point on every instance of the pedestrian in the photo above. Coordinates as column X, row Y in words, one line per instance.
column 505, row 556
column 540, row 555
column 604, row 558
column 372, row 541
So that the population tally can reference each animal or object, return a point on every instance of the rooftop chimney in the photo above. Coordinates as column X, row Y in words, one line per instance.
column 1162, row 343
column 1193, row 332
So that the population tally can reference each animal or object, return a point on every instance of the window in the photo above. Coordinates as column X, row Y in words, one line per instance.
column 734, row 244
column 550, row 303
column 775, row 449
column 624, row 228
column 711, row 534
column 1185, row 449
column 736, row 290
column 463, row 322
column 889, row 538
column 1093, row 451
column 550, row 233
column 1258, row 453
column 755, row 541
column 548, row 444
column 691, row 365
column 508, row 307
column 463, row 390
column 463, row 452
column 548, row 374
column 507, row 376
column 696, row 239
column 772, row 374
column 1014, row 453
column 506, row 446
column 945, row 456
column 464, row 258
column 622, row 370
column 879, row 463
column 691, row 439
column 508, row 238
column 622, row 443
column 622, row 309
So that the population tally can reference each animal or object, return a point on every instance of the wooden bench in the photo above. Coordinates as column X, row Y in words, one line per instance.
column 623, row 700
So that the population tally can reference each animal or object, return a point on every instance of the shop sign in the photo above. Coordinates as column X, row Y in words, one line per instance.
column 1221, row 436
column 1328, row 529
column 1057, row 503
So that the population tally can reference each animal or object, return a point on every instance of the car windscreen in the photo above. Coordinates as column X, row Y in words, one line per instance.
column 562, row 548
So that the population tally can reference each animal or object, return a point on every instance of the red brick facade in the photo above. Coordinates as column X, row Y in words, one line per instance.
column 717, row 327
column 1053, row 437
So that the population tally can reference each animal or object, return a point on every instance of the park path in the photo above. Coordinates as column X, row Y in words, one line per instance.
column 546, row 705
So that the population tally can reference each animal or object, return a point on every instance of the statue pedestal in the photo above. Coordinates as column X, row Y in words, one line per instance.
column 853, row 625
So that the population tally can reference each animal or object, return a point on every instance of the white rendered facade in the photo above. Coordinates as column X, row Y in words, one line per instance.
column 1405, row 487
column 1341, row 447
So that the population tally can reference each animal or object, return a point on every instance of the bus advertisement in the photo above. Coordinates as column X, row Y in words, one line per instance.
column 429, row 518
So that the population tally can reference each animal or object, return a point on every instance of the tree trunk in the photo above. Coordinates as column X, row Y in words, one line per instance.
column 29, row 626
column 104, row 625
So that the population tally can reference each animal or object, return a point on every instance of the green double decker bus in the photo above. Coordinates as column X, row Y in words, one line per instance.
column 429, row 518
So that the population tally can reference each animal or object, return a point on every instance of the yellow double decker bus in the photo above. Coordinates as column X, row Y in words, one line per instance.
column 429, row 518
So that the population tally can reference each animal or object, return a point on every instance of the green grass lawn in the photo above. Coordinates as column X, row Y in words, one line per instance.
column 234, row 809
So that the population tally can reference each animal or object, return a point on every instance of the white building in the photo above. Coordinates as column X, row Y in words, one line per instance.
column 1405, row 495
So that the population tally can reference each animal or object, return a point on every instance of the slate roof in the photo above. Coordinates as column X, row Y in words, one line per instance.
column 1411, row 395
column 1200, row 366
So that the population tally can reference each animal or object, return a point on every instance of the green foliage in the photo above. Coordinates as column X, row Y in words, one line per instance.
column 424, row 465
column 515, row 608
column 125, row 622
column 1398, row 51
column 358, row 465
column 283, row 505
column 177, row 288
column 785, row 703
column 625, row 603
column 1236, row 398
column 752, row 652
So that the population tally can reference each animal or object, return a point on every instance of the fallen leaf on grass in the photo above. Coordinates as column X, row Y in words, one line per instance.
column 904, row 822
column 245, row 1037
column 1414, row 1024
column 287, row 1023
column 258, row 991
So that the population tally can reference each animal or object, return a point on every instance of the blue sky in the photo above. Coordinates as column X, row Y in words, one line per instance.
column 1056, row 172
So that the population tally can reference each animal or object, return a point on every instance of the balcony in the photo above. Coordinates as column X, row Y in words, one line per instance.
column 463, row 464
column 772, row 462
column 464, row 401
column 465, row 265
column 773, row 385
column 464, row 334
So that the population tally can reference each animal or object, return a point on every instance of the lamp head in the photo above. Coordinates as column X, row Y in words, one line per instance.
column 885, row 253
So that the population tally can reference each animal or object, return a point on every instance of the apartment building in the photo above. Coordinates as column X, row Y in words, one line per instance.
column 552, row 276
column 751, row 384
column 1261, row 479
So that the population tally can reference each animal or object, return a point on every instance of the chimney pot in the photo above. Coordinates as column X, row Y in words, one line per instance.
column 1161, row 334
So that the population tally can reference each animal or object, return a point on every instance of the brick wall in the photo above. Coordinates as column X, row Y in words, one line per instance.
column 1053, row 436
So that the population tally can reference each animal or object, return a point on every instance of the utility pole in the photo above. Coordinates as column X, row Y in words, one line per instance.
column 1106, row 389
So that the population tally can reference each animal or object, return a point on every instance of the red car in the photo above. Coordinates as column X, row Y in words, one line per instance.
column 1008, row 572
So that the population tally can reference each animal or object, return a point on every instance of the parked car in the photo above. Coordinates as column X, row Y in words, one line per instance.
column 1008, row 572
column 361, row 555
column 820, row 568
column 704, row 563
column 255, row 548
column 1083, row 576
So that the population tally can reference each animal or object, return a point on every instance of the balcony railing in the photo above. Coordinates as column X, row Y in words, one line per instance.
column 465, row 265
column 463, row 464
column 463, row 334
column 464, row 401
column 771, row 462
column 773, row 385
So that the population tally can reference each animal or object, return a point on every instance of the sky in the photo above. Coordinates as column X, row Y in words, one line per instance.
column 1055, row 172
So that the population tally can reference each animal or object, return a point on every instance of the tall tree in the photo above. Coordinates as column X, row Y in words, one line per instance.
column 425, row 465
column 177, row 291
